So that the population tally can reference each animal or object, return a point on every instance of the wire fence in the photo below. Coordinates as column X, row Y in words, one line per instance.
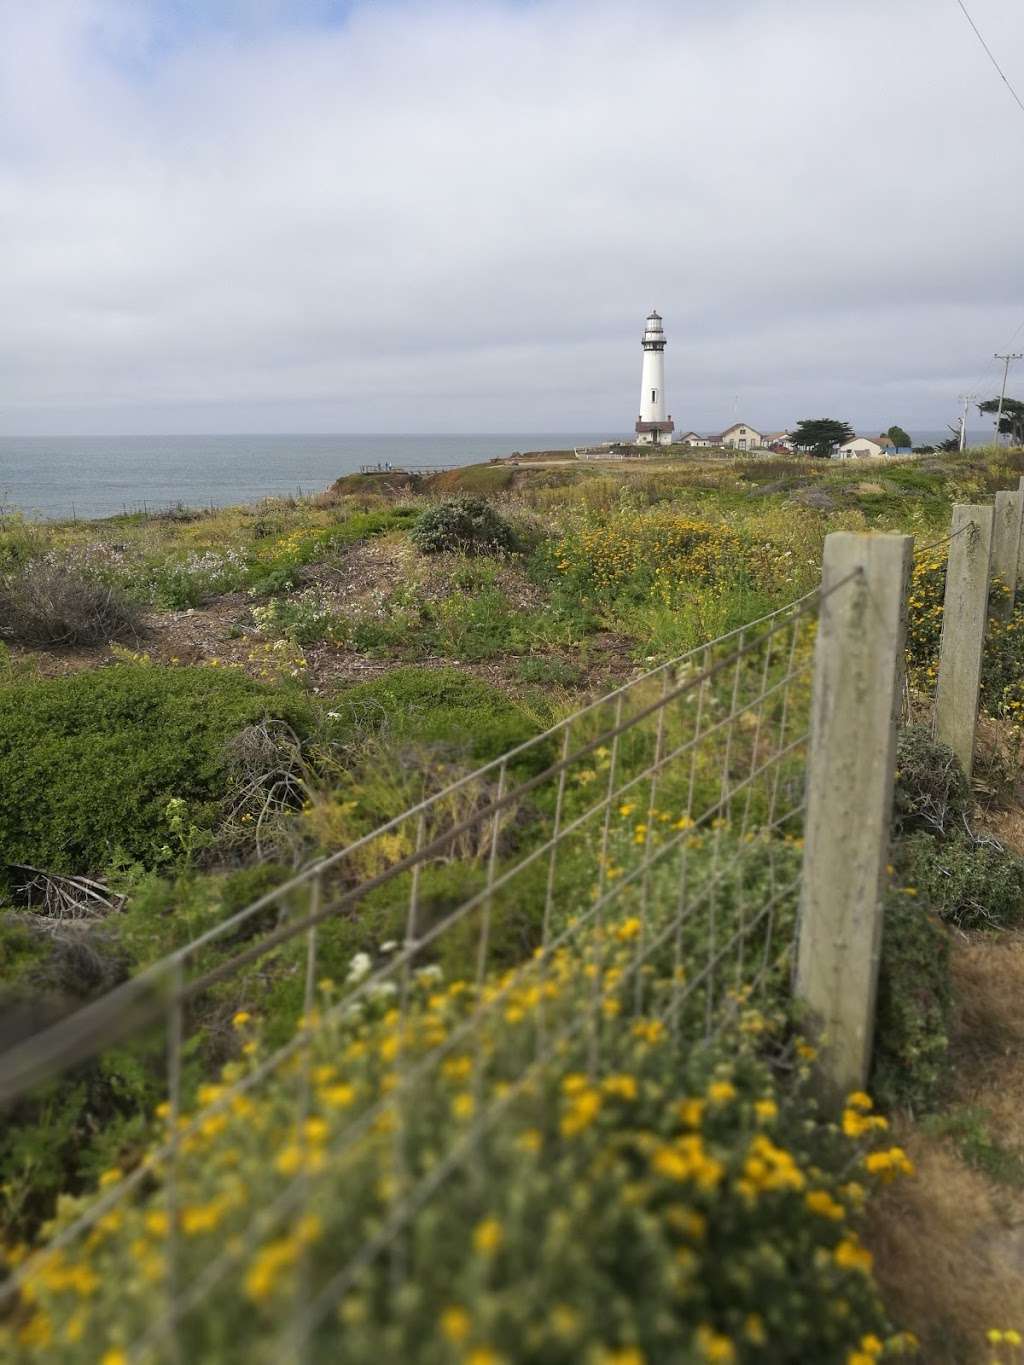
column 633, row 870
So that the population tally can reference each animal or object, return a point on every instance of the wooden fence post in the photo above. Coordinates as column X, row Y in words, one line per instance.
column 1006, row 549
column 964, row 618
column 857, row 667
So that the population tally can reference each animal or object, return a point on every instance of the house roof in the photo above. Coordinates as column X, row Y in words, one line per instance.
column 736, row 427
column 854, row 439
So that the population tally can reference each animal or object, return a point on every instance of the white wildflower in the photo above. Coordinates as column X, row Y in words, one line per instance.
column 359, row 968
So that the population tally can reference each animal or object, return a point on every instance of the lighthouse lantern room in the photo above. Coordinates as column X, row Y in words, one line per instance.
column 652, row 426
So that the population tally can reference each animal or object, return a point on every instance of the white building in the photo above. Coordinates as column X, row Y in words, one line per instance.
column 741, row 436
column 859, row 447
column 653, row 427
column 694, row 441
column 778, row 440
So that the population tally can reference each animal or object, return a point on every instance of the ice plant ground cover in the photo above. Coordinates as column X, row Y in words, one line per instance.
column 547, row 1167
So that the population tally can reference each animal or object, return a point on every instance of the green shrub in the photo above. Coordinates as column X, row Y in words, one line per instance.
column 89, row 762
column 547, row 672
column 974, row 883
column 932, row 792
column 465, row 524
column 307, row 618
column 441, row 708
column 915, row 1002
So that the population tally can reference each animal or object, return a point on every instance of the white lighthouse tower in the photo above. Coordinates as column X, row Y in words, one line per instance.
column 653, row 427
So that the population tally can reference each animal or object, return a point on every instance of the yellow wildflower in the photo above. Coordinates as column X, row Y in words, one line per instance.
column 623, row 1087
column 821, row 1202
column 721, row 1092
column 462, row 1105
column 766, row 1110
column 584, row 1109
column 753, row 1330
column 714, row 1346
column 455, row 1324
column 338, row 1096
column 889, row 1164
column 488, row 1236
column 850, row 1255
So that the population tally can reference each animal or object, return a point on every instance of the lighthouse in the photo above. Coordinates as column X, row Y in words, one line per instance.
column 653, row 427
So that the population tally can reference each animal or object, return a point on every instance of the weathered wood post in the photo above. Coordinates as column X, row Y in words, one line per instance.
column 857, row 668
column 1006, row 550
column 964, row 617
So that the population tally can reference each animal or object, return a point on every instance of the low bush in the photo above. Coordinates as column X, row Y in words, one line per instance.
column 307, row 618
column 52, row 605
column 539, row 671
column 915, row 1004
column 942, row 874
column 89, row 762
column 931, row 792
column 684, row 1203
column 464, row 524
column 441, row 708
column 972, row 881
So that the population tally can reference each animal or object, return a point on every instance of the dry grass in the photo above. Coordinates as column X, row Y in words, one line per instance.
column 949, row 1253
column 949, row 1245
column 50, row 605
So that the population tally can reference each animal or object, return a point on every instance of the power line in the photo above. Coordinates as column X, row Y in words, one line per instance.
column 991, row 55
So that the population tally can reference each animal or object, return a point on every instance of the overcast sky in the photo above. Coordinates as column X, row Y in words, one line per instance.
column 453, row 215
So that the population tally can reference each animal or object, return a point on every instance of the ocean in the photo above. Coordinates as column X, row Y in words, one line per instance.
column 58, row 477
column 55, row 477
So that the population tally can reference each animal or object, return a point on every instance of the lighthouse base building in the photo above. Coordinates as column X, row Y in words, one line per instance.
column 653, row 427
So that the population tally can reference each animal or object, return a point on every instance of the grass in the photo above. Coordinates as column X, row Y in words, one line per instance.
column 971, row 1129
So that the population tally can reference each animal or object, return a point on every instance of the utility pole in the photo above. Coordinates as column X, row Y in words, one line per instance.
column 1014, row 355
column 965, row 398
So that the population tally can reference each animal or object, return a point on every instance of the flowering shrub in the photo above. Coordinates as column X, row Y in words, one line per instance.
column 649, row 557
column 278, row 661
column 190, row 581
column 305, row 619
column 614, row 1192
column 924, row 615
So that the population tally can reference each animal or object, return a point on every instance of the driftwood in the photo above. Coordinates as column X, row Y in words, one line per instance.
column 58, row 899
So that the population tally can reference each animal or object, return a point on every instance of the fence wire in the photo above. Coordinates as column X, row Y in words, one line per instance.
column 489, row 958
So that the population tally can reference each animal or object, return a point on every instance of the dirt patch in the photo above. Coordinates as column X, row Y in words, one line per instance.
column 947, row 1247
column 816, row 498
column 949, row 1243
column 363, row 581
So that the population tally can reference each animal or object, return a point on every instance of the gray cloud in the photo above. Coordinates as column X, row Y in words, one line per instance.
column 453, row 216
